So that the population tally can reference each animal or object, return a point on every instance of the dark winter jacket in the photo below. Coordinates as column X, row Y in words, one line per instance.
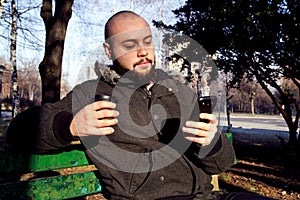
column 147, row 157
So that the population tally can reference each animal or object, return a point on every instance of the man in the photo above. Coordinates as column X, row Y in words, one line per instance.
column 148, row 142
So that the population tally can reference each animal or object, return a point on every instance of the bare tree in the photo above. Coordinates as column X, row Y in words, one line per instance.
column 29, row 81
column 65, row 87
column 56, row 27
column 12, row 20
column 28, row 23
column 1, row 8
column 13, row 60
column 131, row 5
column 249, row 97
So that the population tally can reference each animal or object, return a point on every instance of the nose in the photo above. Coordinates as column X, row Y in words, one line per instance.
column 142, row 51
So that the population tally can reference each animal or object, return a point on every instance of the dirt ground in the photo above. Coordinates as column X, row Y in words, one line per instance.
column 265, row 171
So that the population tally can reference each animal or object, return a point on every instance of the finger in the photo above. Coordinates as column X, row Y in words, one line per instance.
column 195, row 132
column 98, row 131
column 102, row 105
column 104, row 131
column 106, row 113
column 106, row 122
column 200, row 140
column 94, row 127
column 197, row 125
column 210, row 117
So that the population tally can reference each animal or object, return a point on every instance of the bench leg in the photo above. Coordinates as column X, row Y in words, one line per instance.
column 215, row 182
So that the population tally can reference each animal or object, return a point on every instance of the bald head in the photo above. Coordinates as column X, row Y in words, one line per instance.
column 123, row 21
column 129, row 44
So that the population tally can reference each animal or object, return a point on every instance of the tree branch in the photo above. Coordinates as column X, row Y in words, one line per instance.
column 46, row 12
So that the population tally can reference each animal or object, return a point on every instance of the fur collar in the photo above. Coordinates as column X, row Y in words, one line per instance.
column 109, row 75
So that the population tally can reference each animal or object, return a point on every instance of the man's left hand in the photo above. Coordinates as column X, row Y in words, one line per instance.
column 201, row 132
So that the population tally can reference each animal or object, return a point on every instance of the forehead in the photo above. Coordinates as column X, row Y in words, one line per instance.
column 131, row 35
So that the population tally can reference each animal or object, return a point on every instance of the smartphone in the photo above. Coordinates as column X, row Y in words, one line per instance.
column 207, row 104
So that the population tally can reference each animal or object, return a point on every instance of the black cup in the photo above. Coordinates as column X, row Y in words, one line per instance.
column 102, row 97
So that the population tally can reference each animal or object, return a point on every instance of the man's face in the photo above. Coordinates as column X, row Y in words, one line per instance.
column 131, row 47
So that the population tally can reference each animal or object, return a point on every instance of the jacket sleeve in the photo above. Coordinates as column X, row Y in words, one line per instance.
column 41, row 128
column 218, row 156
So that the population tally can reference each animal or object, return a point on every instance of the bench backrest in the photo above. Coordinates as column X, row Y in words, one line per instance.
column 62, row 175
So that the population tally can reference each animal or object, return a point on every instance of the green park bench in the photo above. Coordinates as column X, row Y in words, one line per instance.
column 63, row 175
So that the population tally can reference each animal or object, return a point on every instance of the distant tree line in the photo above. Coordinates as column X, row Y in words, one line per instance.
column 29, row 83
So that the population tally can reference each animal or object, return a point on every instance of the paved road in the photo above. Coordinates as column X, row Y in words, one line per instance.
column 260, row 130
column 261, row 122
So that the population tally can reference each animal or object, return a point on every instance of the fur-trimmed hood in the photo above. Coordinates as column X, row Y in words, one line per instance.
column 107, row 72
column 109, row 75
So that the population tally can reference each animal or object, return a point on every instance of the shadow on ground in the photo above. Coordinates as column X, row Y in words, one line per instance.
column 265, row 170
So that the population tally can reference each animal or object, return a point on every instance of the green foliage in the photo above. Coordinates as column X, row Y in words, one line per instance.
column 246, row 34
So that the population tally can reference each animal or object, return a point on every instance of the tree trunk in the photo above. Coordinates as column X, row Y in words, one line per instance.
column 285, row 108
column 1, row 8
column 51, row 66
column 131, row 5
column 252, row 105
column 13, row 61
column 30, row 92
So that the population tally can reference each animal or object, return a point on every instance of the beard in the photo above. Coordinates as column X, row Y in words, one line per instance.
column 141, row 77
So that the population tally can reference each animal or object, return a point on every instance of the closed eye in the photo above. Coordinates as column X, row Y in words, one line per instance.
column 148, row 41
column 129, row 45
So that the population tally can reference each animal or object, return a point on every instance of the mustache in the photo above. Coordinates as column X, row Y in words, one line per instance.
column 143, row 60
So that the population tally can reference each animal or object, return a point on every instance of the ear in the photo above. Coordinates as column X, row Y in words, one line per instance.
column 107, row 49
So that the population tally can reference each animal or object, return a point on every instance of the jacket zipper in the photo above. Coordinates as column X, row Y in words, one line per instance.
column 148, row 93
column 149, row 96
column 147, row 150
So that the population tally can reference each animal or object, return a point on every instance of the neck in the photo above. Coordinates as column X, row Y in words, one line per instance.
column 149, row 85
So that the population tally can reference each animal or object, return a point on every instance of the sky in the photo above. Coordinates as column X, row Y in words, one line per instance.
column 83, row 44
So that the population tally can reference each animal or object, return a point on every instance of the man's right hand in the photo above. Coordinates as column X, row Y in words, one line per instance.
column 95, row 119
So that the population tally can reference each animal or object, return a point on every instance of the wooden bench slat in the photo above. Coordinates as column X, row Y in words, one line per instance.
column 12, row 163
column 59, row 187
